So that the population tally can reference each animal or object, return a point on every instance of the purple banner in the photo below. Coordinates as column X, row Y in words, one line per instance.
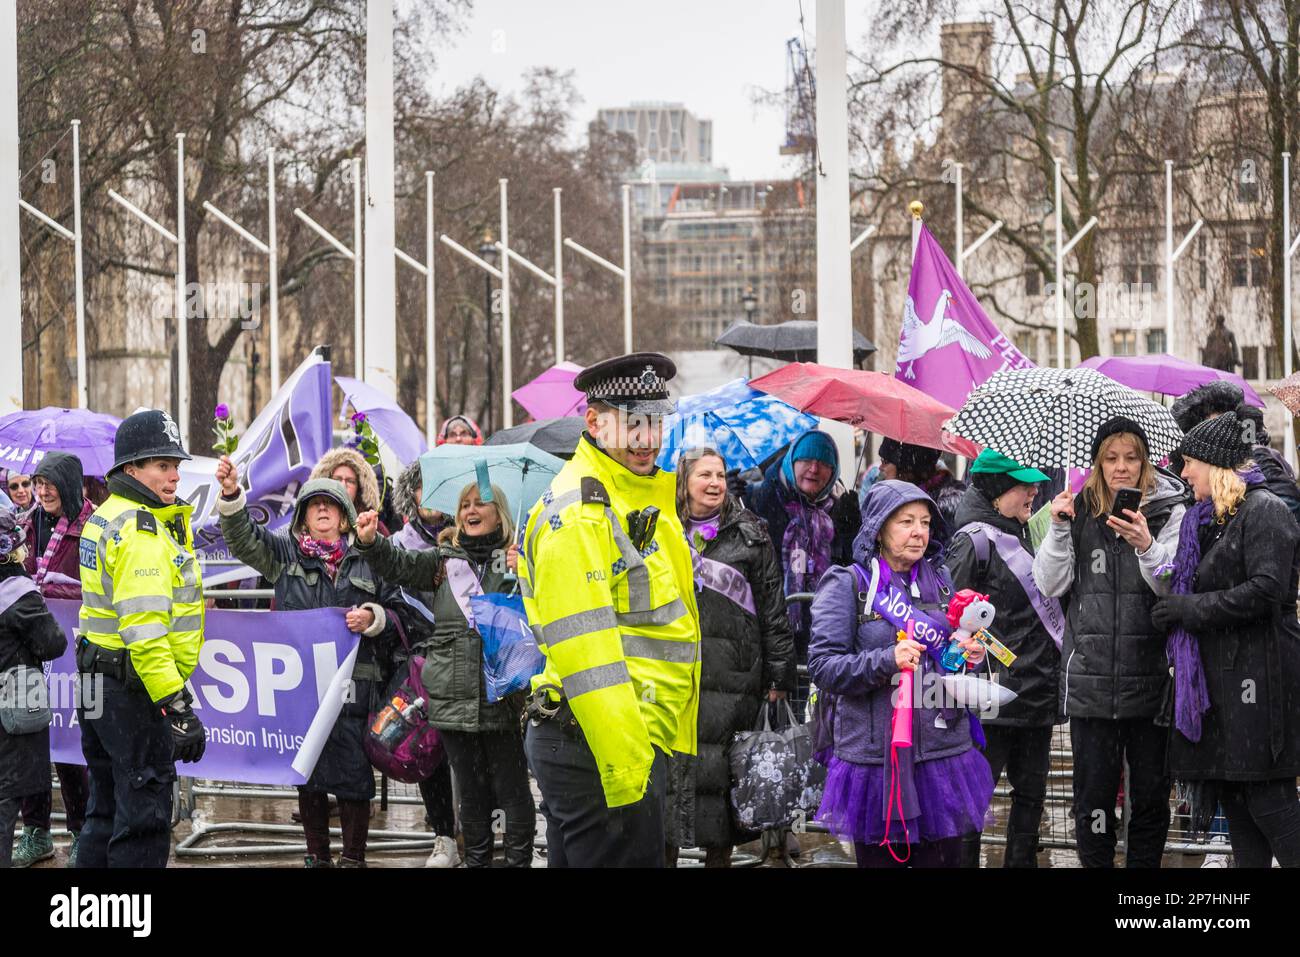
column 948, row 345
column 275, row 456
column 261, row 681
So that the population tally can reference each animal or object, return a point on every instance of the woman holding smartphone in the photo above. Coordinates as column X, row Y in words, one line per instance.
column 1114, row 671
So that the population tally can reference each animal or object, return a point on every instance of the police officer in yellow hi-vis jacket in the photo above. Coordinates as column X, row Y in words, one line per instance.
column 609, row 589
column 139, row 635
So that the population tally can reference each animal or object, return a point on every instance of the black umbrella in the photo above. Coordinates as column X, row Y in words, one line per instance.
column 793, row 341
column 557, row 436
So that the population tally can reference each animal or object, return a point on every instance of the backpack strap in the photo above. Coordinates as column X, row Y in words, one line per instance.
column 867, row 587
column 980, row 542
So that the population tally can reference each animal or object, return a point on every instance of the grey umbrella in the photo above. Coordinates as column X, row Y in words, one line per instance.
column 793, row 341
column 557, row 436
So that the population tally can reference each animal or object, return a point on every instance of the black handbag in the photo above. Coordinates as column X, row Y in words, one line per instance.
column 24, row 700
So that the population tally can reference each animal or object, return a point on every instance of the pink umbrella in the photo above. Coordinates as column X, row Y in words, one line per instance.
column 552, row 395
column 866, row 400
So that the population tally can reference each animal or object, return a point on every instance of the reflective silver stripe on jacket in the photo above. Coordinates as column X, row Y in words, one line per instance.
column 660, row 649
column 141, row 604
column 593, row 679
column 582, row 623
column 133, row 633
column 663, row 615
column 187, row 623
column 98, row 602
column 638, row 576
column 187, row 593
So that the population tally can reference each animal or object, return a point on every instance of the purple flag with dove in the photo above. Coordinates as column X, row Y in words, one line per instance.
column 948, row 344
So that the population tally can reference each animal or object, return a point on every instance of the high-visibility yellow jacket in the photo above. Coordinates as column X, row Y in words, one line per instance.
column 620, row 629
column 141, row 589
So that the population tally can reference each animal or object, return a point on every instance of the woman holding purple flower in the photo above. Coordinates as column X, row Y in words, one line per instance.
column 745, row 642
column 1234, row 645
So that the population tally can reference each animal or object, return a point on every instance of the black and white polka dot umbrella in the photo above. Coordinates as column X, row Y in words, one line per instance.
column 1047, row 418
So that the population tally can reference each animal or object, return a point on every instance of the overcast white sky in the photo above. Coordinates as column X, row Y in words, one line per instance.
column 711, row 55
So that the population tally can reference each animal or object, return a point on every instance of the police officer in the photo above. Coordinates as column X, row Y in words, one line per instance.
column 608, row 585
column 139, row 635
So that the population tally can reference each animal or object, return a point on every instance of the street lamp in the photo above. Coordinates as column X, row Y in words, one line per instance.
column 487, row 251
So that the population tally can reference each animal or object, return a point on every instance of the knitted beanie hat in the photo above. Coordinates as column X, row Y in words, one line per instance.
column 1219, row 441
column 1114, row 427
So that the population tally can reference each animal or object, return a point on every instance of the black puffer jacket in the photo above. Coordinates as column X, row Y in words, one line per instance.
column 744, row 655
column 30, row 636
column 303, row 583
column 1113, row 657
column 1279, row 477
column 1036, row 671
column 1242, row 614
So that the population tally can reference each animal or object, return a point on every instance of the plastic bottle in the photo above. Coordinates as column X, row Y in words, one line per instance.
column 391, row 712
column 402, row 723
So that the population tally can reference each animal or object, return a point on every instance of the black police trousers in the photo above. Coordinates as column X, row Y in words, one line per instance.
column 128, row 749
column 581, row 830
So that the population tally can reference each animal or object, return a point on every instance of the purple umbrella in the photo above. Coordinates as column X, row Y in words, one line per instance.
column 387, row 418
column 552, row 395
column 1165, row 374
column 26, row 436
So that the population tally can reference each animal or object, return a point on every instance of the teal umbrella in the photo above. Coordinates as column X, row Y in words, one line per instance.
column 522, row 472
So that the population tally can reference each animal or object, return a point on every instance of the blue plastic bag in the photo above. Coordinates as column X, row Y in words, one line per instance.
column 510, row 653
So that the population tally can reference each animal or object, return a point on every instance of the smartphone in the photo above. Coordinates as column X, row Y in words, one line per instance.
column 1126, row 498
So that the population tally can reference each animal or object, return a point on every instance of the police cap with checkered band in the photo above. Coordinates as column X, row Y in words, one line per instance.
column 634, row 383
column 147, row 434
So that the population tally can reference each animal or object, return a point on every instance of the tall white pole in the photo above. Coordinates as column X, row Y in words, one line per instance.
column 83, row 388
column 11, row 293
column 358, row 285
column 627, row 269
column 381, row 225
column 507, row 370
column 1286, row 292
column 273, row 270
column 834, row 276
column 1060, row 275
column 959, row 259
column 182, row 319
column 1169, row 258
column 559, row 280
column 430, row 343
column 917, row 209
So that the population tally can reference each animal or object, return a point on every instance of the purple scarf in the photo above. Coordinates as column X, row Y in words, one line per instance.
column 331, row 553
column 806, row 550
column 1191, row 695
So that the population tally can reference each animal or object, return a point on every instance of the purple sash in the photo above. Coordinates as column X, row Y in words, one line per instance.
column 13, row 588
column 1021, row 565
column 464, row 586
column 722, row 578
column 896, row 607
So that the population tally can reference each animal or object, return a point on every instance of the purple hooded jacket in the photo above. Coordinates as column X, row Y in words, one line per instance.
column 857, row 663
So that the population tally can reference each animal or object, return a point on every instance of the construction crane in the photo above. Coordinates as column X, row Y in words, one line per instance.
column 800, row 100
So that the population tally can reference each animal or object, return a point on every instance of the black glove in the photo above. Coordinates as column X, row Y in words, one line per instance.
column 1169, row 612
column 188, row 738
column 736, row 485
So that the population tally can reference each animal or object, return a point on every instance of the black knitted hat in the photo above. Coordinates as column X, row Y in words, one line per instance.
column 1219, row 441
column 913, row 459
column 1114, row 427
column 993, row 484
column 1256, row 415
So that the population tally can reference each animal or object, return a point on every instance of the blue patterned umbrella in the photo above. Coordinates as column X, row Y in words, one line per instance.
column 745, row 425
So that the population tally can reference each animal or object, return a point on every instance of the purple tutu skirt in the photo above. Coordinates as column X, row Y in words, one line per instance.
column 952, row 793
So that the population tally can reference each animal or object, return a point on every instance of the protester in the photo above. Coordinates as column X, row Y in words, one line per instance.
column 350, row 469
column 312, row 564
column 29, row 636
column 419, row 533
column 797, row 499
column 460, row 430
column 481, row 737
column 746, row 649
column 1277, row 471
column 141, row 632
column 1115, row 667
column 943, row 782
column 20, row 491
column 1204, row 402
column 992, row 554
column 919, row 464
column 53, row 532
column 1230, row 608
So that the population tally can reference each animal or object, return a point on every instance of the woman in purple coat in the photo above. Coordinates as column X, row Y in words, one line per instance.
column 941, row 786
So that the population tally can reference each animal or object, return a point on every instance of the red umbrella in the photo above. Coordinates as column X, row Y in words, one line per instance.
column 866, row 400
